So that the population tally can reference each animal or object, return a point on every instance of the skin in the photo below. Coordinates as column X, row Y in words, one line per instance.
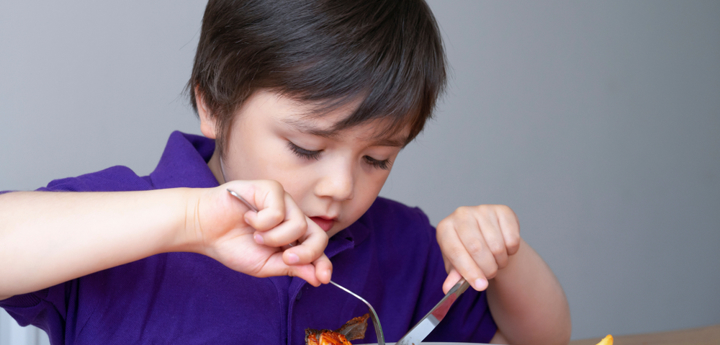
column 481, row 243
column 341, row 179
column 293, row 169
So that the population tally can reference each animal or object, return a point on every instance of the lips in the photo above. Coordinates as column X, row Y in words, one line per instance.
column 323, row 223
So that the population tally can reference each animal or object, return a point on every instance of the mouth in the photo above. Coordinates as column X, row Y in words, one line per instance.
column 323, row 223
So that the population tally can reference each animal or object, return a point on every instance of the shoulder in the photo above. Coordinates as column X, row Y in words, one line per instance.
column 117, row 178
column 389, row 221
column 390, row 213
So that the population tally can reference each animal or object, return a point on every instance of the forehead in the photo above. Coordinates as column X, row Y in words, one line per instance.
column 381, row 133
column 326, row 119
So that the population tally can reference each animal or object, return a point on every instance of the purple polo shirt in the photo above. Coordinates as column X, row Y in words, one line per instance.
column 389, row 256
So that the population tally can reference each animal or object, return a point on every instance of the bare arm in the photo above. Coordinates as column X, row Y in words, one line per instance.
column 47, row 238
column 483, row 244
column 528, row 303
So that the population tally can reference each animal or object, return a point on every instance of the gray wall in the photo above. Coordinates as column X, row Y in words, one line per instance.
column 597, row 122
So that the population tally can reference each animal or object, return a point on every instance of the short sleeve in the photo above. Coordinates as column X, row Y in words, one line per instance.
column 48, row 309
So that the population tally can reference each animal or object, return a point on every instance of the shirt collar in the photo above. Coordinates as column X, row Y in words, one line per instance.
column 184, row 163
column 348, row 238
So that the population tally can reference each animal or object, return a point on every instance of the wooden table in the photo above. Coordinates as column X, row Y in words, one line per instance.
column 695, row 336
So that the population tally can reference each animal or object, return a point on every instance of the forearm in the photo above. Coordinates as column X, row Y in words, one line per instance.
column 528, row 303
column 47, row 238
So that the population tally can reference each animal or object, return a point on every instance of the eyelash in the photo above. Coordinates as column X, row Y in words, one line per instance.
column 303, row 153
column 315, row 155
column 384, row 164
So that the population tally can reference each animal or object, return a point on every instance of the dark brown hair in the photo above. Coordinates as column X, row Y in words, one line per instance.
column 387, row 53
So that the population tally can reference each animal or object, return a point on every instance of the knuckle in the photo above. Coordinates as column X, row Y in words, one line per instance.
column 491, row 272
column 507, row 214
column 273, row 217
column 273, row 185
column 315, row 253
column 463, row 212
column 496, row 248
column 484, row 208
column 443, row 227
column 301, row 225
column 325, row 241
column 450, row 250
column 489, row 211
column 513, row 240
column 505, row 210
column 276, row 215
column 443, row 224
column 475, row 248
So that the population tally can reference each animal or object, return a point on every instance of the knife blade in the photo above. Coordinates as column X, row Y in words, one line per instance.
column 421, row 330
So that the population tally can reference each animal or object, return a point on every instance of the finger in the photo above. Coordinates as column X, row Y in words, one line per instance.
column 319, row 272
column 323, row 269
column 306, row 272
column 458, row 255
column 446, row 261
column 490, row 229
column 310, row 246
column 510, row 227
column 452, row 279
column 293, row 227
column 276, row 267
column 269, row 198
column 471, row 236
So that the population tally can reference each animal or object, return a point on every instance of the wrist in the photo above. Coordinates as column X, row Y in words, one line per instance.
column 185, row 235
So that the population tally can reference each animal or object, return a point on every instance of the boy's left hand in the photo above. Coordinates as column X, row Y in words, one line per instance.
column 476, row 242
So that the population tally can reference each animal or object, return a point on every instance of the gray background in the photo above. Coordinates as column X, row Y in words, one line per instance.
column 597, row 122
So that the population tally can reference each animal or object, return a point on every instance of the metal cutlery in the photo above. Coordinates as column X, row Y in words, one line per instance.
column 421, row 330
column 373, row 314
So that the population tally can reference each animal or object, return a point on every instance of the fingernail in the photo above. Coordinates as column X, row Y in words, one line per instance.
column 293, row 258
column 480, row 284
column 258, row 239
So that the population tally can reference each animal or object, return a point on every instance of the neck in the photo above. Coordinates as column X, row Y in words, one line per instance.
column 216, row 166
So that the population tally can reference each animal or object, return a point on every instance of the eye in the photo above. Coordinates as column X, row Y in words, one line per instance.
column 303, row 153
column 380, row 164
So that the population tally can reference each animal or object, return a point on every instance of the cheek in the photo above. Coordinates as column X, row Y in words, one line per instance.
column 366, row 192
column 296, row 179
column 269, row 159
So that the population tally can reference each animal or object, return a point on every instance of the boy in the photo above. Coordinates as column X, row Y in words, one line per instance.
column 308, row 103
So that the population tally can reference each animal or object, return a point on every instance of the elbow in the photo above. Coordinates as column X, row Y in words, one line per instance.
column 564, row 335
column 563, row 332
column 557, row 332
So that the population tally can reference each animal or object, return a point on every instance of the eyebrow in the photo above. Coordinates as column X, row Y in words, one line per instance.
column 309, row 129
column 333, row 134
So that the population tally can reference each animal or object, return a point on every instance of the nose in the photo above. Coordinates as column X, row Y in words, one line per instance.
column 337, row 182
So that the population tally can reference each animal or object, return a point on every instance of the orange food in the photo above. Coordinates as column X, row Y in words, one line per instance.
column 326, row 337
column 353, row 329
column 608, row 340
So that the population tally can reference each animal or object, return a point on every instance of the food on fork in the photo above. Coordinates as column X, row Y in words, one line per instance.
column 353, row 329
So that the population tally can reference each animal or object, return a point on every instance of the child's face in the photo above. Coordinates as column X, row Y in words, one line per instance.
column 333, row 176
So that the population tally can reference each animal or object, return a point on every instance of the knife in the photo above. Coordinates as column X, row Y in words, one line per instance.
column 421, row 330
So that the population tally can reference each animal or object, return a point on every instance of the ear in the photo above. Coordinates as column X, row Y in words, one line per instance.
column 207, row 122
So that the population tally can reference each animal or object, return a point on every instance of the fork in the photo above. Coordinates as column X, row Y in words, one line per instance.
column 373, row 314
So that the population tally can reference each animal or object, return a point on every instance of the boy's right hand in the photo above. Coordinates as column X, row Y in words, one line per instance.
column 258, row 244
